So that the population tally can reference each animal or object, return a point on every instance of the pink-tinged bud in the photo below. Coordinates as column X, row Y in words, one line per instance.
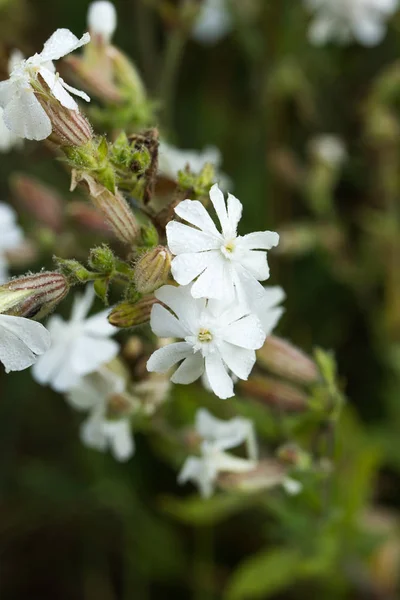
column 113, row 206
column 267, row 474
column 152, row 270
column 33, row 296
column 88, row 217
column 95, row 78
column 282, row 358
column 41, row 201
column 128, row 314
column 69, row 127
column 275, row 393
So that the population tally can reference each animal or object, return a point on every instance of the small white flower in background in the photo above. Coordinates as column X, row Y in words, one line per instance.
column 346, row 20
column 214, row 22
column 23, row 113
column 94, row 393
column 11, row 237
column 217, row 436
column 217, row 338
column 102, row 20
column 223, row 263
column 329, row 149
column 171, row 160
column 79, row 346
column 21, row 342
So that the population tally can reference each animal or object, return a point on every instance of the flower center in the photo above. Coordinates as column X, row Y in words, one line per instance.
column 205, row 335
column 228, row 248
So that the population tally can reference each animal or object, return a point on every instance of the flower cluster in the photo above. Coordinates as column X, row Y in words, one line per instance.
column 220, row 310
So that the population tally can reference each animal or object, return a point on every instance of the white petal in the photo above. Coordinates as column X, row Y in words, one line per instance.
column 255, row 262
column 74, row 91
column 163, row 359
column 218, row 377
column 273, row 296
column 218, row 200
column 21, row 342
column 88, row 353
column 369, row 30
column 191, row 369
column 224, row 434
column 258, row 240
column 56, row 88
column 8, row 89
column 248, row 289
column 292, row 486
column 164, row 324
column 270, row 319
column 102, row 18
column 120, row 439
column 98, row 325
column 65, row 378
column 180, row 301
column 194, row 212
column 202, row 472
column 239, row 360
column 321, row 30
column 235, row 208
column 92, row 431
column 62, row 42
column 228, row 463
column 84, row 396
column 187, row 267
column 82, row 304
column 245, row 333
column 215, row 281
column 25, row 116
column 183, row 239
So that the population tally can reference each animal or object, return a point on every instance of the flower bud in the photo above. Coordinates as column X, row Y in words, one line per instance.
column 69, row 127
column 33, row 296
column 88, row 217
column 41, row 201
column 102, row 259
column 283, row 359
column 128, row 314
column 152, row 270
column 293, row 456
column 102, row 21
column 268, row 473
column 114, row 207
column 127, row 76
column 275, row 393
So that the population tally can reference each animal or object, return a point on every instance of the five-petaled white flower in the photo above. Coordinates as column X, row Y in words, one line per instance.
column 23, row 113
column 217, row 436
column 214, row 22
column 79, row 346
column 102, row 19
column 21, row 342
column 94, row 393
column 345, row 20
column 11, row 237
column 223, row 263
column 217, row 338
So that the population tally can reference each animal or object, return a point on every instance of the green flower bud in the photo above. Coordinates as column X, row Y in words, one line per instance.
column 73, row 270
column 33, row 296
column 152, row 270
column 128, row 314
column 102, row 259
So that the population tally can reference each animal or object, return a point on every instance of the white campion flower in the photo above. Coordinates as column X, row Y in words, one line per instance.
column 217, row 338
column 227, row 266
column 217, row 436
column 94, row 393
column 21, row 342
column 79, row 346
column 347, row 20
column 213, row 23
column 23, row 113
column 102, row 19
column 11, row 237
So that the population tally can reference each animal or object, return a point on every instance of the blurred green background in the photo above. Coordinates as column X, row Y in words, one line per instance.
column 77, row 525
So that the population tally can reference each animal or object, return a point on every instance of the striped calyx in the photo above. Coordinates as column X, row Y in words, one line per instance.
column 33, row 296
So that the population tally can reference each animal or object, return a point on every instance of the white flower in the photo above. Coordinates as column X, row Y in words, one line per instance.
column 218, row 436
column 329, row 149
column 79, row 346
column 217, row 338
column 222, row 262
column 21, row 342
column 23, row 113
column 11, row 237
column 93, row 393
column 171, row 160
column 102, row 19
column 214, row 22
column 345, row 20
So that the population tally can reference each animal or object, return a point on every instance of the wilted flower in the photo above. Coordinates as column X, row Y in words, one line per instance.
column 214, row 22
column 217, row 338
column 95, row 393
column 102, row 20
column 216, row 437
column 345, row 20
column 79, row 346
column 11, row 237
column 223, row 263
column 23, row 113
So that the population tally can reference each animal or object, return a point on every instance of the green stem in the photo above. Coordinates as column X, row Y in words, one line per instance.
column 172, row 62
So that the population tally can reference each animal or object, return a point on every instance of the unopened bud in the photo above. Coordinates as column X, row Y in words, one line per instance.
column 102, row 259
column 152, row 270
column 41, row 201
column 69, row 127
column 267, row 474
column 73, row 270
column 282, row 358
column 113, row 206
column 102, row 21
column 294, row 456
column 33, row 296
column 127, row 314
column 275, row 393
column 89, row 217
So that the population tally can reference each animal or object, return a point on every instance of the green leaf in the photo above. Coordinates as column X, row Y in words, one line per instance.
column 101, row 289
column 263, row 575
